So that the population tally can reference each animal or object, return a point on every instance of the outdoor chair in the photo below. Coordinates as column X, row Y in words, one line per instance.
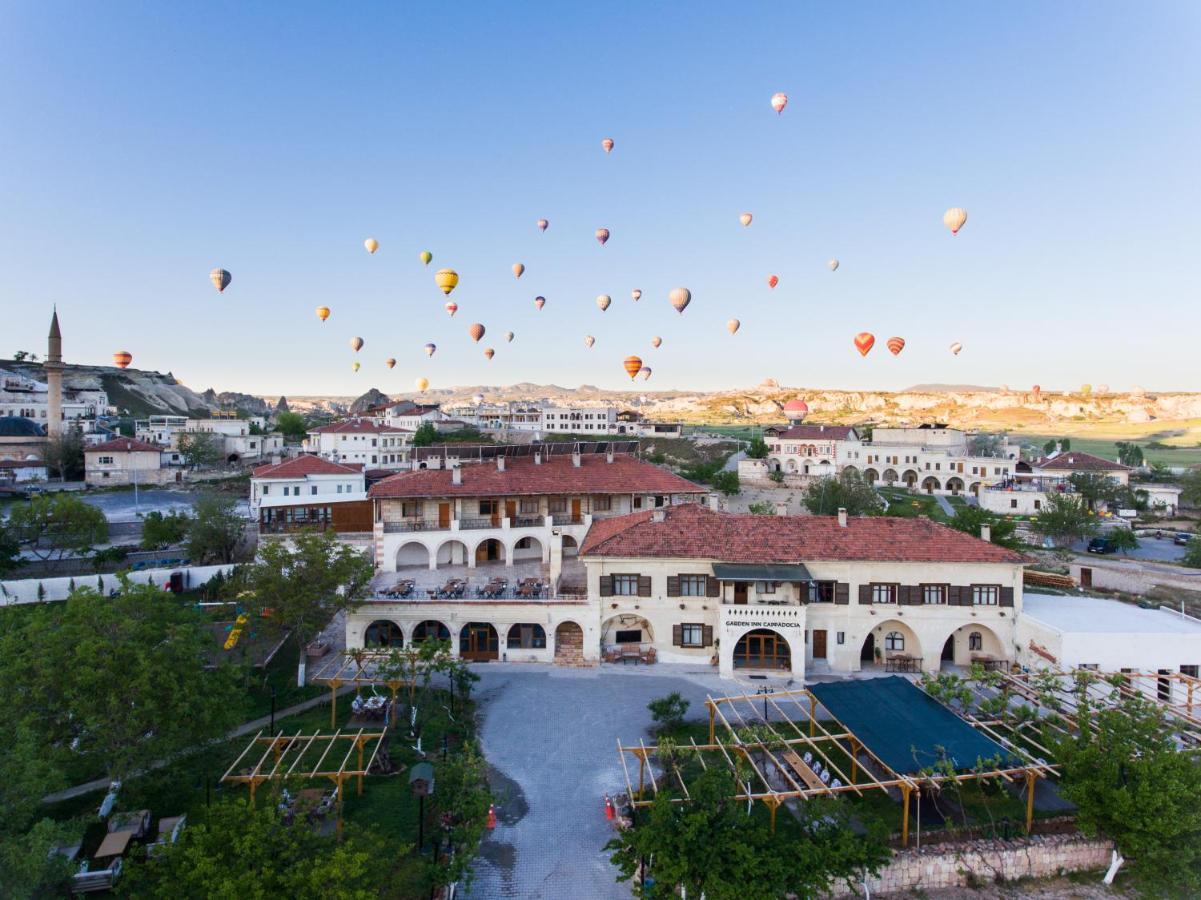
column 825, row 776
column 808, row 757
column 816, row 766
column 835, row 783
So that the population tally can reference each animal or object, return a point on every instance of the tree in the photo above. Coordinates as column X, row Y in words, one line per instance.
column 668, row 711
column 984, row 444
column 1053, row 444
column 1130, row 454
column 1130, row 781
column 159, row 531
column 108, row 558
column 59, row 522
column 1122, row 538
column 10, row 549
column 726, row 482
column 64, row 454
column 425, row 434
column 761, row 508
column 292, row 426
column 200, row 449
column 27, row 773
column 849, row 491
column 1190, row 487
column 1192, row 552
column 304, row 587
column 1095, row 488
column 214, row 529
column 1064, row 518
column 757, row 448
column 461, row 802
column 969, row 519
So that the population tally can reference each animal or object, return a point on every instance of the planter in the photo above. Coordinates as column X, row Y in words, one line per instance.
column 316, row 650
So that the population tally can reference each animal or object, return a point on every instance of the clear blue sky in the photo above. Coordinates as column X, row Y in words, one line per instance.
column 143, row 144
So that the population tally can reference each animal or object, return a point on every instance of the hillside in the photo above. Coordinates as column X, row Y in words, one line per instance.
column 134, row 391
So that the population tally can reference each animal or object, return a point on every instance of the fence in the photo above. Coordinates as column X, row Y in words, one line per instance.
column 26, row 590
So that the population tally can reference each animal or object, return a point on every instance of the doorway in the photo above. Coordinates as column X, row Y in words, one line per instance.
column 819, row 643
column 443, row 515
column 576, row 518
column 740, row 592
column 868, row 652
column 762, row 649
column 479, row 641
column 1086, row 577
column 948, row 650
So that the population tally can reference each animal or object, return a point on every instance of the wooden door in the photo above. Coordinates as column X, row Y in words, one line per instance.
column 479, row 641
column 575, row 510
column 510, row 510
column 1086, row 576
column 819, row 643
column 740, row 592
column 496, row 514
column 443, row 515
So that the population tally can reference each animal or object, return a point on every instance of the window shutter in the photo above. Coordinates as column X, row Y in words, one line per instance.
column 677, row 635
column 644, row 585
column 915, row 594
column 673, row 585
column 865, row 594
column 706, row 635
column 712, row 586
column 1007, row 596
column 606, row 585
column 842, row 593
column 953, row 595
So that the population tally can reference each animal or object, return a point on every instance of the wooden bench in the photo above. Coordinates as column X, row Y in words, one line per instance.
column 798, row 765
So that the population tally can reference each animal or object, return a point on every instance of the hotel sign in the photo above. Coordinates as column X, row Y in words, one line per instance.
column 773, row 623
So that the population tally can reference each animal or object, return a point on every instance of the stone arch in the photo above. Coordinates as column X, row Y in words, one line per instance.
column 791, row 467
column 451, row 552
column 871, row 476
column 955, row 484
column 412, row 553
column 571, row 547
column 429, row 629
column 930, row 484
column 971, row 640
column 526, row 636
column 479, row 641
column 890, row 477
column 850, row 469
column 569, row 644
column 894, row 638
column 974, row 489
column 527, row 547
column 383, row 633
column 763, row 648
column 490, row 552
column 626, row 628
column 909, row 476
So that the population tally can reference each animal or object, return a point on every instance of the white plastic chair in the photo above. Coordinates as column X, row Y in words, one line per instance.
column 835, row 783
column 808, row 757
column 826, row 777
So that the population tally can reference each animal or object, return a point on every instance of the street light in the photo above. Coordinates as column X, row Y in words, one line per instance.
column 765, row 690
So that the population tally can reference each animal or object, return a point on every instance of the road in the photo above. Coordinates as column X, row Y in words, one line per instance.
column 1149, row 550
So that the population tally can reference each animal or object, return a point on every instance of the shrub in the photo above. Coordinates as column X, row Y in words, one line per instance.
column 668, row 712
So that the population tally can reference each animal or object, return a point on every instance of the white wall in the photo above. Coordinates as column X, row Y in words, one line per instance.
column 25, row 590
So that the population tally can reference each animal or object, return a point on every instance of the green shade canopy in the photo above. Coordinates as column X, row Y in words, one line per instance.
column 760, row 572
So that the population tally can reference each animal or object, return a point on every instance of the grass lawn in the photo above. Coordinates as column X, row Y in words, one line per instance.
column 902, row 502
column 1182, row 443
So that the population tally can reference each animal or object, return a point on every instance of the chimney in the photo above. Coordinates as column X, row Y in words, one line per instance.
column 986, row 532
column 575, row 458
column 500, row 463
column 714, row 503
column 842, row 517
column 659, row 515
column 456, row 475
column 781, row 508
column 538, row 458
column 609, row 457
column 821, row 427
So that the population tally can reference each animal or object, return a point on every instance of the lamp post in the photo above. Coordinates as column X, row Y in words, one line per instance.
column 765, row 690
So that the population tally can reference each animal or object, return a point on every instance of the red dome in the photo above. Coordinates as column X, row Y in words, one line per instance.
column 796, row 406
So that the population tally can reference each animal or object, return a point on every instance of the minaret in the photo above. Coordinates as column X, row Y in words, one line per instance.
column 53, row 367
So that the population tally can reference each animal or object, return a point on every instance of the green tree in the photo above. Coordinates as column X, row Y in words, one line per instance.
column 292, row 426
column 970, row 519
column 159, row 530
column 10, row 549
column 1122, row 538
column 306, row 585
column 1065, row 518
column 984, row 443
column 1190, row 487
column 1192, row 552
column 1061, row 443
column 849, row 491
column 1096, row 488
column 1130, row 454
column 214, row 529
column 27, row 773
column 108, row 559
column 726, row 482
column 200, row 449
column 668, row 711
column 761, row 508
column 425, row 435
column 461, row 803
column 57, row 523
column 757, row 448
column 64, row 454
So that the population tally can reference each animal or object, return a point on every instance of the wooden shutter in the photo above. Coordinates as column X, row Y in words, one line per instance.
column 606, row 585
column 842, row 593
column 673, row 585
column 677, row 635
column 865, row 594
column 1007, row 596
column 712, row 586
column 706, row 635
column 644, row 585
column 954, row 594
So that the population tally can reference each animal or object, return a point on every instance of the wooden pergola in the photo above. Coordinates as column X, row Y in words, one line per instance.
column 304, row 756
column 793, row 729
column 359, row 667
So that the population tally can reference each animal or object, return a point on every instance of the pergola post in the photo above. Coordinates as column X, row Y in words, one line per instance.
column 334, row 684
column 360, row 786
column 905, row 815
column 641, row 772
column 854, row 760
column 1031, row 780
column 771, row 805
column 339, row 793
column 812, row 714
column 712, row 718
column 252, row 786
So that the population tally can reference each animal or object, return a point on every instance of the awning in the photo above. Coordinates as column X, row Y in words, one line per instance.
column 760, row 572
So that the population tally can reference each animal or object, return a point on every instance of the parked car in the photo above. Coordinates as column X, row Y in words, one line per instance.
column 1181, row 538
column 1101, row 545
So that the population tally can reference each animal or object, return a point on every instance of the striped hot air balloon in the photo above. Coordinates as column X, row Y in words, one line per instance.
column 632, row 365
column 452, row 308
column 539, row 302
column 607, row 143
column 122, row 359
column 489, row 352
column 895, row 345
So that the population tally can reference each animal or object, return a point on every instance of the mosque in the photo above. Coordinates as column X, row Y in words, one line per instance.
column 22, row 438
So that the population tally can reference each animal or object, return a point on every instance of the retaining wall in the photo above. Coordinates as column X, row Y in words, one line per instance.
column 25, row 590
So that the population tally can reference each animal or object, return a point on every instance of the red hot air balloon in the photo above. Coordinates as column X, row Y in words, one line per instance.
column 895, row 345
column 632, row 365
column 476, row 330
column 489, row 353
column 778, row 101
column 607, row 143
column 540, row 302
column 864, row 341
column 452, row 308
column 122, row 359
column 1036, row 390
column 602, row 235
column 773, row 280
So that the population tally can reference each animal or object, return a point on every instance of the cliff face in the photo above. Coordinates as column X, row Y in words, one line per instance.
column 133, row 391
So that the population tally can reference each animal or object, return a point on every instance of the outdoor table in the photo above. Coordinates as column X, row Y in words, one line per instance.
column 114, row 844
column 798, row 765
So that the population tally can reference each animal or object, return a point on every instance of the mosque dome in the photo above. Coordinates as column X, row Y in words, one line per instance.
column 17, row 426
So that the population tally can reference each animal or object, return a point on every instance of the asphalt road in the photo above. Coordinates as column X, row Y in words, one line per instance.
column 1149, row 550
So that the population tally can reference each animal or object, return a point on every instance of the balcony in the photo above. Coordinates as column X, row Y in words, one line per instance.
column 567, row 519
column 409, row 525
column 466, row 524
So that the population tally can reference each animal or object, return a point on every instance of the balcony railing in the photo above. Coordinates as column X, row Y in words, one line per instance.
column 479, row 523
column 527, row 521
column 409, row 525
column 567, row 519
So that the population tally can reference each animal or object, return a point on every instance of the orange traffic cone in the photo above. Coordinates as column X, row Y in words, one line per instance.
column 491, row 816
column 610, row 812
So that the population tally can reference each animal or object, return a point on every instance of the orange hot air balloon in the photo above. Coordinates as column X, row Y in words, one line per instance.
column 895, row 345
column 645, row 372
column 864, row 341
column 322, row 313
column 733, row 325
column 607, row 143
column 773, row 280
column 956, row 348
column 446, row 279
column 390, row 363
column 589, row 340
column 421, row 384
column 220, row 279
column 543, row 224
column 656, row 341
column 371, row 244
column 680, row 298
column 636, row 294
column 518, row 268
column 602, row 235
column 540, row 302
column 356, row 344
column 122, row 359
column 632, row 365
column 778, row 101
column 430, row 348
column 603, row 301
column 489, row 353
column 476, row 330
column 745, row 219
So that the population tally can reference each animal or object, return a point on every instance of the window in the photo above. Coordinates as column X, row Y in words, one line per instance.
column 693, row 585
column 313, row 489
column 1013, row 504
column 625, row 585
column 840, row 637
column 637, row 503
column 692, row 636
column 986, row 594
column 602, row 504
column 894, row 640
column 339, row 489
column 411, row 509
column 1190, row 671
column 821, row 592
column 884, row 593
column 528, row 507
column 765, row 587
column 975, row 641
column 1038, row 504
column 934, row 594
column 266, row 489
column 488, row 507
column 106, row 460
column 629, row 637
column 557, row 504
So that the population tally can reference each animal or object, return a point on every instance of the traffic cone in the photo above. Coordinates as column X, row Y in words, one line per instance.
column 491, row 816
column 610, row 812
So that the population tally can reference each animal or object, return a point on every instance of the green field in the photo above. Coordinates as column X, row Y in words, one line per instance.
column 1177, row 454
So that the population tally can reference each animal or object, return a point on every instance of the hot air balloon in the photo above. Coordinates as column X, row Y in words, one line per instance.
column 733, row 325
column 1102, row 389
column 1086, row 389
column 864, row 341
column 390, row 363
column 680, row 298
column 220, row 279
column 476, row 330
column 477, row 399
column 122, row 359
column 645, row 372
column 518, row 268
column 607, row 143
column 589, row 340
column 426, row 256
column 356, row 344
column 543, row 224
column 371, row 244
column 446, row 279
column 421, row 384
column 773, row 280
column 833, row 265
column 540, row 302
column 895, row 345
column 745, row 219
column 489, row 352
column 954, row 218
column 602, row 235
column 656, row 341
column 509, row 337
column 636, row 294
column 354, row 366
column 779, row 101
column 632, row 365
column 430, row 348
column 1036, row 390
column 452, row 308
column 603, row 301
column 956, row 347
column 322, row 313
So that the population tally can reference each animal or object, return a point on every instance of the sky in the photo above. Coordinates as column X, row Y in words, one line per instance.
column 143, row 144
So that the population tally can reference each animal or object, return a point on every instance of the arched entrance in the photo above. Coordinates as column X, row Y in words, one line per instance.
column 955, row 485
column 930, row 484
column 527, row 548
column 452, row 553
column 974, row 489
column 412, row 555
column 430, row 629
column 383, row 633
column 762, row 648
column 972, row 643
column 871, row 476
column 867, row 653
column 571, row 547
column 892, row 640
column 526, row 636
column 490, row 552
column 569, row 644
column 910, row 478
column 890, row 476
column 626, row 629
column 478, row 641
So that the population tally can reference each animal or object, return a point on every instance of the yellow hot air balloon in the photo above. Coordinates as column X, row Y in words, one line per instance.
column 518, row 268
column 509, row 337
column 476, row 330
column 636, row 294
column 603, row 301
column 122, row 359
column 589, row 340
column 607, row 143
column 354, row 366
column 426, row 256
column 390, row 363
column 733, row 325
column 446, row 279
column 322, row 313
column 430, row 348
column 656, row 341
column 956, row 347
column 895, row 345
column 489, row 352
column 220, row 279
column 745, row 219
column 778, row 101
column 421, row 384
column 356, row 344
column 680, row 298
column 954, row 218
column 371, row 244
column 1086, row 389
column 632, row 365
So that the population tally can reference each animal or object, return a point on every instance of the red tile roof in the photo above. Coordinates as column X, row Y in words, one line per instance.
column 354, row 426
column 556, row 475
column 1075, row 461
column 692, row 531
column 304, row 465
column 125, row 445
column 814, row 432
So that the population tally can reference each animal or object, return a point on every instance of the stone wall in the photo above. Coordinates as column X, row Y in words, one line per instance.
column 569, row 646
column 1040, row 856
